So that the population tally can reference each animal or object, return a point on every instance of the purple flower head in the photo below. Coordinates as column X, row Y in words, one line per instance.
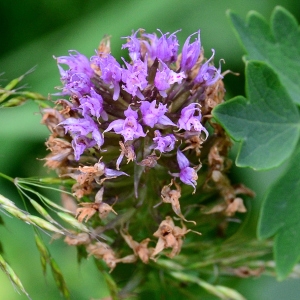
column 165, row 77
column 189, row 121
column 111, row 72
column 78, row 84
column 208, row 75
column 187, row 174
column 154, row 115
column 83, row 127
column 93, row 105
column 190, row 52
column 135, row 78
column 164, row 48
column 129, row 128
column 164, row 143
column 80, row 143
column 133, row 45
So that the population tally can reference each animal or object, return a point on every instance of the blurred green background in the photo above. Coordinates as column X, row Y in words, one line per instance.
column 32, row 32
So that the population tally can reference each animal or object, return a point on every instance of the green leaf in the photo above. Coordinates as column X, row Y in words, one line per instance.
column 280, row 216
column 277, row 44
column 267, row 123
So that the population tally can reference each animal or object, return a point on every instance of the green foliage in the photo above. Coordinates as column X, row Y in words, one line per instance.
column 280, row 216
column 267, row 123
column 11, row 96
column 277, row 44
column 14, row 279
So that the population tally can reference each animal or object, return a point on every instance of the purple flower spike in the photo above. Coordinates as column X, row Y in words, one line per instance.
column 190, row 52
column 188, row 120
column 111, row 72
column 187, row 174
column 165, row 77
column 153, row 115
column 164, row 48
column 208, row 75
column 134, row 78
column 133, row 45
column 129, row 128
column 80, row 143
column 164, row 143
column 93, row 105
column 83, row 127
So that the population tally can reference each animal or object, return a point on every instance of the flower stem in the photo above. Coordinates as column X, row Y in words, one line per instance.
column 6, row 177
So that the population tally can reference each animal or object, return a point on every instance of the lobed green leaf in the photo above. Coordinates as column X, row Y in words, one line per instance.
column 280, row 216
column 277, row 44
column 266, row 123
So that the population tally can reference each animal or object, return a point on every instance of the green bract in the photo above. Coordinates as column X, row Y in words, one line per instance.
column 267, row 123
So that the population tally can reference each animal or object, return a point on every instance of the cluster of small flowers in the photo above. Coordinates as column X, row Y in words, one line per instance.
column 151, row 111
column 157, row 95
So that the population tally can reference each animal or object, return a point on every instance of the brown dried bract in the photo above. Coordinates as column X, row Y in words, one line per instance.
column 78, row 239
column 51, row 118
column 89, row 209
column 150, row 161
column 217, row 179
column 68, row 202
column 172, row 196
column 214, row 96
column 169, row 236
column 65, row 107
column 141, row 249
column 195, row 143
column 85, row 176
column 102, row 251
column 127, row 151
column 104, row 46
column 60, row 152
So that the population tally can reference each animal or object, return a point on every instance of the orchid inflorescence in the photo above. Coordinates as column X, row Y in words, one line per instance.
column 152, row 111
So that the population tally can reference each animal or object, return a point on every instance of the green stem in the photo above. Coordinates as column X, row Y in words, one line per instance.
column 6, row 177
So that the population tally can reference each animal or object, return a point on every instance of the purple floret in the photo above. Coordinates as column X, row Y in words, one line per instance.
column 163, row 48
column 76, row 80
column 111, row 72
column 93, row 105
column 133, row 45
column 208, row 75
column 155, row 115
column 77, row 62
column 80, row 143
column 129, row 128
column 164, row 143
column 165, row 77
column 82, row 127
column 135, row 78
column 189, row 121
column 190, row 52
column 187, row 174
